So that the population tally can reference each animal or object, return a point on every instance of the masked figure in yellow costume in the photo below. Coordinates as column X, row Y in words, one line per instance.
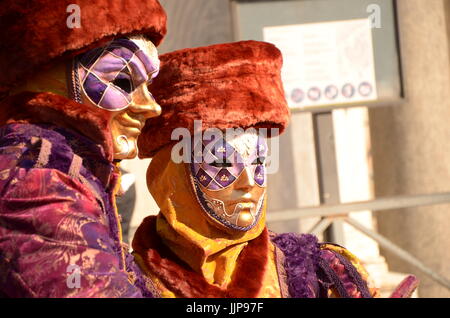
column 210, row 238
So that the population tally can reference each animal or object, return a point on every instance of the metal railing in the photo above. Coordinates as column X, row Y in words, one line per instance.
column 330, row 213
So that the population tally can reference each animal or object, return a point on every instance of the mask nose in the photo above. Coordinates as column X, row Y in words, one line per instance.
column 245, row 180
column 144, row 104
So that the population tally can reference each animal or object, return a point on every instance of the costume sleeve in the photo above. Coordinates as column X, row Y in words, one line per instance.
column 344, row 274
column 55, row 239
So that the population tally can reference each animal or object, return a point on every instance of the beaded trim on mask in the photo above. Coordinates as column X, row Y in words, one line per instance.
column 74, row 81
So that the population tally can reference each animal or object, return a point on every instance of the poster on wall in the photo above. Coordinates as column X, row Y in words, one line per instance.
column 328, row 63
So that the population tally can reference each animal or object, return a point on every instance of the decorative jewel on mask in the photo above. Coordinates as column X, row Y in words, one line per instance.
column 216, row 205
column 108, row 76
column 74, row 89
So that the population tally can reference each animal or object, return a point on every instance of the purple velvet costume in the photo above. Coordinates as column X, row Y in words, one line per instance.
column 56, row 210
column 310, row 272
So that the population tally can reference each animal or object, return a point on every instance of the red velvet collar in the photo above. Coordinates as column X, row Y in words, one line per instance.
column 186, row 283
column 38, row 108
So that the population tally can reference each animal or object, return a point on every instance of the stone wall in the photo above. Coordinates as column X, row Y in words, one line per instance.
column 410, row 147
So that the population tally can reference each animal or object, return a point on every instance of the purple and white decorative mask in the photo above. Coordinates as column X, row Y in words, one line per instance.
column 230, row 180
column 115, row 78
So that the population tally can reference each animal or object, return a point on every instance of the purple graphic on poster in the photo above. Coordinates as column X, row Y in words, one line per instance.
column 314, row 94
column 331, row 92
column 297, row 95
column 365, row 89
column 348, row 90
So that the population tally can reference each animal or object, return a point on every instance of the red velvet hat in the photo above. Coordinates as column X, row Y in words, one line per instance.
column 33, row 33
column 225, row 86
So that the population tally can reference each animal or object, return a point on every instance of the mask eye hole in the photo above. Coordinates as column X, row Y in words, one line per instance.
column 259, row 161
column 221, row 164
column 124, row 84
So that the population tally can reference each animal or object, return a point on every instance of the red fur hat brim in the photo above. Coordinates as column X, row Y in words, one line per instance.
column 225, row 86
column 33, row 33
column 49, row 108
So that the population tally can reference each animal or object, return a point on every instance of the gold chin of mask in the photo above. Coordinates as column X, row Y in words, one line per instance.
column 245, row 215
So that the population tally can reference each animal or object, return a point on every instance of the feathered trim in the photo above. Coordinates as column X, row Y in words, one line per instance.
column 302, row 254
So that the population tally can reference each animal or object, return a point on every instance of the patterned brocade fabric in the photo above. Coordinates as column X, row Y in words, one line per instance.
column 314, row 270
column 57, row 215
column 341, row 261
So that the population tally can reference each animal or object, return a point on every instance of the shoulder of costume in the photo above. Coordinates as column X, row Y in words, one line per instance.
column 38, row 131
column 89, row 123
column 300, row 260
column 349, row 269
column 314, row 269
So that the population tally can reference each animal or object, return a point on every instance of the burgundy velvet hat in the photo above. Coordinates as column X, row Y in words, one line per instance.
column 226, row 85
column 33, row 33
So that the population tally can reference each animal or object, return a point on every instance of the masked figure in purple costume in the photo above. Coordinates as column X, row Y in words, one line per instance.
column 74, row 101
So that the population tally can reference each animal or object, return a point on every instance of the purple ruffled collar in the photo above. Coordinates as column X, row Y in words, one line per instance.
column 301, row 256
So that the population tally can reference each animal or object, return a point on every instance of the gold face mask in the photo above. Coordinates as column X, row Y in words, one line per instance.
column 230, row 182
column 116, row 78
